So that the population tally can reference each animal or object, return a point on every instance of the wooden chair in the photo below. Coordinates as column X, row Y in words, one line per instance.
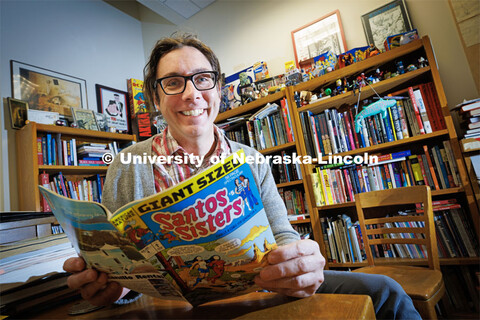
column 424, row 286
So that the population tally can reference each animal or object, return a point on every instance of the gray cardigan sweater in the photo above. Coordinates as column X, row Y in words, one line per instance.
column 127, row 182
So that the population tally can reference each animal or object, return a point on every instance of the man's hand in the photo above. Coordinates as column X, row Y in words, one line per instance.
column 295, row 269
column 92, row 284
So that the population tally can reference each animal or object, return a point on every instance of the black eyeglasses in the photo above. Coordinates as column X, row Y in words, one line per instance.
column 202, row 81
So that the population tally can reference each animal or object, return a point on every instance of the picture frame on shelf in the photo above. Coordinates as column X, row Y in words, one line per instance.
column 319, row 36
column 389, row 19
column 18, row 112
column 102, row 121
column 85, row 119
column 114, row 104
column 47, row 90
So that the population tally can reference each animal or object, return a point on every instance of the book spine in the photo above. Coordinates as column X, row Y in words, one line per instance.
column 423, row 111
column 430, row 166
column 443, row 170
column 39, row 151
column 416, row 111
column 403, row 119
column 397, row 122
column 417, row 171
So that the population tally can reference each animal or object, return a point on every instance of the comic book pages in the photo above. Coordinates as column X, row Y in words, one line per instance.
column 207, row 236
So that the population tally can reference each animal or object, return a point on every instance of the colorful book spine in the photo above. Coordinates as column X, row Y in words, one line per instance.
column 416, row 111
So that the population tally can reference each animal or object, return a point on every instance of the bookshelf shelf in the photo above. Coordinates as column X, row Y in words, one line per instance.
column 29, row 169
column 300, row 221
column 359, row 67
column 73, row 169
column 349, row 98
column 407, row 262
column 349, row 204
column 278, row 148
column 250, row 106
column 393, row 144
column 289, row 184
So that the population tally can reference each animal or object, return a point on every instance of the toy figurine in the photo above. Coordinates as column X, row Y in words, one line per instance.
column 379, row 74
column 400, row 68
column 411, row 67
column 361, row 80
column 305, row 97
column 373, row 50
column 422, row 62
column 380, row 106
column 339, row 86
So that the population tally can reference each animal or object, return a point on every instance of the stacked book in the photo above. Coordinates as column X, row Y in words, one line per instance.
column 90, row 154
column 470, row 112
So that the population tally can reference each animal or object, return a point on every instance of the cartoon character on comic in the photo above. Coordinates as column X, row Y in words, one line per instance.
column 218, row 267
column 202, row 268
column 169, row 236
column 141, row 237
column 240, row 189
column 246, row 184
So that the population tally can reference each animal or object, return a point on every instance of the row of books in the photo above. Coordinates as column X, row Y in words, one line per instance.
column 53, row 150
column 343, row 239
column 435, row 167
column 455, row 236
column 416, row 112
column 270, row 126
column 87, row 189
column 295, row 202
column 286, row 172
column 304, row 230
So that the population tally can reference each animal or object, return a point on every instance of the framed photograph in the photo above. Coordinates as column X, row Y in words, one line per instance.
column 385, row 21
column 47, row 90
column 114, row 104
column 18, row 112
column 317, row 37
column 85, row 119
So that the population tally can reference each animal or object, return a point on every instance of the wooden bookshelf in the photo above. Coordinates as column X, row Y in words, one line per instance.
column 407, row 262
column 29, row 169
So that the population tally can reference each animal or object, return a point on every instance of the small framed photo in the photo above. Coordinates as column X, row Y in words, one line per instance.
column 387, row 20
column 18, row 112
column 47, row 90
column 114, row 104
column 319, row 36
column 85, row 119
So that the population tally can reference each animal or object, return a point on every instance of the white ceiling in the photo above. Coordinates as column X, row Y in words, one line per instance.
column 176, row 11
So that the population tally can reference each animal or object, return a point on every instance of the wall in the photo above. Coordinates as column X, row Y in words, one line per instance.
column 244, row 32
column 88, row 39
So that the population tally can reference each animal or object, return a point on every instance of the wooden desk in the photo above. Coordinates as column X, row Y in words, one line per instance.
column 257, row 305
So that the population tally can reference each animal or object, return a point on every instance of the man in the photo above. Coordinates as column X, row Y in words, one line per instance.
column 181, row 78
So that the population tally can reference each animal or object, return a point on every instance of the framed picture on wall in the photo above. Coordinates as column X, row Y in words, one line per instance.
column 114, row 104
column 319, row 36
column 18, row 112
column 385, row 21
column 47, row 90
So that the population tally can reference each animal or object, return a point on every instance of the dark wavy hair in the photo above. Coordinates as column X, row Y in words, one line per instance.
column 164, row 46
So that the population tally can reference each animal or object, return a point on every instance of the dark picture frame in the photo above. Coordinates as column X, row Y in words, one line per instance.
column 18, row 112
column 85, row 119
column 47, row 90
column 114, row 104
column 319, row 36
column 387, row 20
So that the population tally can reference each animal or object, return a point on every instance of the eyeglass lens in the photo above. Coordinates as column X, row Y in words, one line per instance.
column 176, row 84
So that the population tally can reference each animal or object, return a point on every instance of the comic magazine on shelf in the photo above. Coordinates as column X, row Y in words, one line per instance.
column 201, row 240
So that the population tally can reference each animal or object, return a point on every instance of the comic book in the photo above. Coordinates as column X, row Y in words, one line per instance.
column 201, row 240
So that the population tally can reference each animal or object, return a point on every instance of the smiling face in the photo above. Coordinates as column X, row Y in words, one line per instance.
column 190, row 114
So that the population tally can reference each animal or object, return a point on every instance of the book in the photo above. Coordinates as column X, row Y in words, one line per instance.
column 136, row 97
column 197, row 241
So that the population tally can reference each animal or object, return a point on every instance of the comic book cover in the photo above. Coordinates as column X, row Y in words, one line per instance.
column 105, row 249
column 135, row 94
column 207, row 236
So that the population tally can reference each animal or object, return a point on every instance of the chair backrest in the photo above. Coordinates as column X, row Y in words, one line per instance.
column 411, row 235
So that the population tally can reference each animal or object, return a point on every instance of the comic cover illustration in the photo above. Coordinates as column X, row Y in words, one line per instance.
column 207, row 236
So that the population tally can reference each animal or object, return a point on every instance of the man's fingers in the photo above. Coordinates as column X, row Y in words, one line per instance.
column 79, row 279
column 74, row 265
column 110, row 293
column 293, row 250
column 291, row 268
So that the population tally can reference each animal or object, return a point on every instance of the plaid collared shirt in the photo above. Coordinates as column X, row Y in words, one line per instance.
column 170, row 174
